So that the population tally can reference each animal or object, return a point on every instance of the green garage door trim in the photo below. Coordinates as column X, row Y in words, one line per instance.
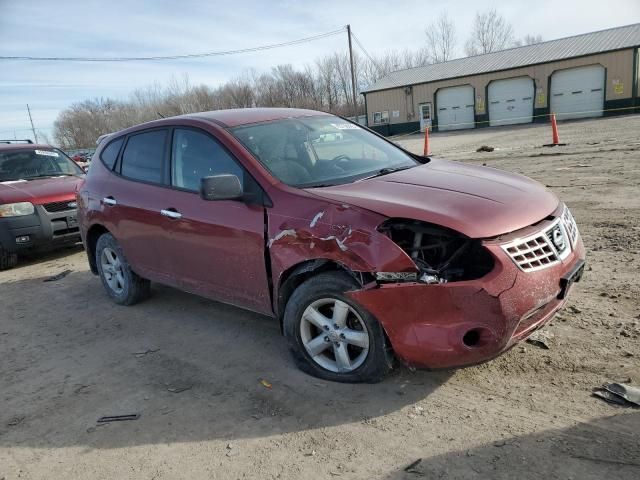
column 578, row 92
column 511, row 101
column 455, row 108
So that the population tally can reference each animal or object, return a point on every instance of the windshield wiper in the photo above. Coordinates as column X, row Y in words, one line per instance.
column 387, row 170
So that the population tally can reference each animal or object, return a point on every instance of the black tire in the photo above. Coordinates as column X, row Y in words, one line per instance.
column 379, row 359
column 7, row 259
column 134, row 288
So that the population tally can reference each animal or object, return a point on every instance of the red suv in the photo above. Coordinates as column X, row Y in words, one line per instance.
column 38, row 185
column 362, row 250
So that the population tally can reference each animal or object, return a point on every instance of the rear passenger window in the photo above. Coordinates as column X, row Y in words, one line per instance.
column 196, row 155
column 142, row 157
column 110, row 153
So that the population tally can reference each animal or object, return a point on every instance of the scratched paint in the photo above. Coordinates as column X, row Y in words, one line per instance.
column 315, row 219
column 282, row 234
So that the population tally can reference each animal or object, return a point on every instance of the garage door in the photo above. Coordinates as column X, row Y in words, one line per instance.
column 511, row 101
column 455, row 108
column 578, row 92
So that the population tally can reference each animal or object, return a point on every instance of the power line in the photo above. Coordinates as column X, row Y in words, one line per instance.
column 178, row 57
column 364, row 50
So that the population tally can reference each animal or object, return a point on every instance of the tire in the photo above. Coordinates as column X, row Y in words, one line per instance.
column 342, row 354
column 7, row 259
column 122, row 284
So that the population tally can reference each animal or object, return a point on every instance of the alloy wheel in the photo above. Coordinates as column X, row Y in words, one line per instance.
column 112, row 270
column 334, row 335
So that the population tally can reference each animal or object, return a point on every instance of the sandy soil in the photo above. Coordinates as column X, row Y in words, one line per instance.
column 192, row 367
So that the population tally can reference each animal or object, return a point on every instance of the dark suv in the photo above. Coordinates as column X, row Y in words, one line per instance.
column 38, row 184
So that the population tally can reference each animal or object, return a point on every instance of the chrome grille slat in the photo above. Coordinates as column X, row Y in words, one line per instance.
column 539, row 250
column 570, row 225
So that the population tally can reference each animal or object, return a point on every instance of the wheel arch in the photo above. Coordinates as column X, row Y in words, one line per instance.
column 295, row 275
column 93, row 234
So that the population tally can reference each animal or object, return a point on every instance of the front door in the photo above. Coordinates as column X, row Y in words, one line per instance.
column 425, row 116
column 217, row 246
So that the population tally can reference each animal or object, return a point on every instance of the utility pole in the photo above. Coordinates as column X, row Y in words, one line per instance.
column 353, row 76
column 35, row 135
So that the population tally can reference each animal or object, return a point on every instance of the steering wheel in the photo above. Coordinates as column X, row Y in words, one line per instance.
column 340, row 158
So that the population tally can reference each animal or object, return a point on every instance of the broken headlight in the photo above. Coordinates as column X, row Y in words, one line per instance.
column 441, row 255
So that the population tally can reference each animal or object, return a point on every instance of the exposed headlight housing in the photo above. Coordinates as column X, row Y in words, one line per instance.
column 441, row 254
column 16, row 209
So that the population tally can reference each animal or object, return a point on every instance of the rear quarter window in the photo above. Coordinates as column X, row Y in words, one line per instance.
column 143, row 156
column 110, row 154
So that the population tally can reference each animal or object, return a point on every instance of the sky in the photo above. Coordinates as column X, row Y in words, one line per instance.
column 162, row 27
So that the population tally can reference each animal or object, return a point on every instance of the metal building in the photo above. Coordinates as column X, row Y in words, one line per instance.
column 587, row 75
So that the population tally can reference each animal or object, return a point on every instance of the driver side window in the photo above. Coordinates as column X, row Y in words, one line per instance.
column 196, row 155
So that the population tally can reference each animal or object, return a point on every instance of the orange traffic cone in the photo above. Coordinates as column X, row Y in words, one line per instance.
column 427, row 148
column 554, row 133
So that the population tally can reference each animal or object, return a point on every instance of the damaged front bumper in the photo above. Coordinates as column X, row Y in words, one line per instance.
column 468, row 322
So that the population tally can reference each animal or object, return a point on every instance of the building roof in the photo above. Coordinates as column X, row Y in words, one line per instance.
column 560, row 49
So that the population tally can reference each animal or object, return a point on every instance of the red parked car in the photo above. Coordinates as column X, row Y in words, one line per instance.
column 362, row 250
column 38, row 185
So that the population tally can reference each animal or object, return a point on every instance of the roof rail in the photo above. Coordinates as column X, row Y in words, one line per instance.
column 26, row 140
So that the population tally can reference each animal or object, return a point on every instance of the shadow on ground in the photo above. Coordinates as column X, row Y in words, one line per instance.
column 605, row 448
column 29, row 258
column 190, row 367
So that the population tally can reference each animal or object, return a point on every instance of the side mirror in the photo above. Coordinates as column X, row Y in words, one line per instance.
column 221, row 187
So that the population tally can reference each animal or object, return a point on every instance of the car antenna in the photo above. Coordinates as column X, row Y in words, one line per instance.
column 160, row 115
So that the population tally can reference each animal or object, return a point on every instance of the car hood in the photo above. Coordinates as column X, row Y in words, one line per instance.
column 44, row 190
column 479, row 202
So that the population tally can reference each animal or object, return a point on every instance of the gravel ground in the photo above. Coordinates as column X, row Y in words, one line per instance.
column 193, row 368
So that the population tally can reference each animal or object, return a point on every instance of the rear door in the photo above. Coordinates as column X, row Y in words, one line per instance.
column 134, row 199
column 217, row 247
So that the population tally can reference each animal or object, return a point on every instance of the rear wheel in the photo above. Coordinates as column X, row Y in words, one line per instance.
column 7, row 259
column 331, row 336
column 122, row 284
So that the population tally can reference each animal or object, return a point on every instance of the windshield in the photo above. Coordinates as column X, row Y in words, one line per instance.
column 28, row 164
column 320, row 151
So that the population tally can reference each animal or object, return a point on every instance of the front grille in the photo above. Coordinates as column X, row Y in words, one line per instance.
column 570, row 225
column 545, row 248
column 55, row 207
column 533, row 253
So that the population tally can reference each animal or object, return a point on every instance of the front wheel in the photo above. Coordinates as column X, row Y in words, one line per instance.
column 122, row 284
column 331, row 336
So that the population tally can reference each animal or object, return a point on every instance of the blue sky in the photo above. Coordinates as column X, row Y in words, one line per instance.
column 162, row 27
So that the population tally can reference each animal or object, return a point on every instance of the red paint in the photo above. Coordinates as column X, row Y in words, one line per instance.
column 40, row 191
column 224, row 250
column 480, row 202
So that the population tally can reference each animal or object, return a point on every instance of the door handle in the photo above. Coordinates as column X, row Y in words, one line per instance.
column 171, row 213
column 109, row 201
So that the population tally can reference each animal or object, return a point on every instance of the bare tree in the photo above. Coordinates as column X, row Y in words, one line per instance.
column 441, row 39
column 491, row 32
column 528, row 40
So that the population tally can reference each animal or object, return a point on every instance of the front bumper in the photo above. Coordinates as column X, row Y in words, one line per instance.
column 464, row 323
column 39, row 230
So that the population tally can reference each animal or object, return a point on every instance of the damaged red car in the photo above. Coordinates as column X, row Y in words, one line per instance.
column 364, row 252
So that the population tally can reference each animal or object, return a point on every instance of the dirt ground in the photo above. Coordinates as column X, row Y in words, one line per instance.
column 192, row 367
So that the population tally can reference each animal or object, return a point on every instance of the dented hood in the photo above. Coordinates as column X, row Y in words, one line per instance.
column 479, row 202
